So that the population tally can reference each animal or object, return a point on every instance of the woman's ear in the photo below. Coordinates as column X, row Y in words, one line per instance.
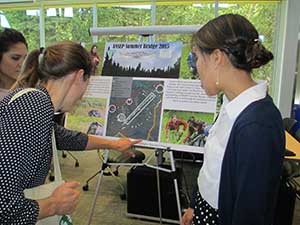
column 80, row 75
column 217, row 57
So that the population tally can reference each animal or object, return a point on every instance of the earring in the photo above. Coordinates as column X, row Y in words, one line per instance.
column 218, row 78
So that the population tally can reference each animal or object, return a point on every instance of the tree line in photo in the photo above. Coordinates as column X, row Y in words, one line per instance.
column 112, row 68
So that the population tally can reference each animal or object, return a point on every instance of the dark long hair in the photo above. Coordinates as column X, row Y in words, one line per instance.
column 8, row 38
column 237, row 37
column 91, row 51
column 54, row 62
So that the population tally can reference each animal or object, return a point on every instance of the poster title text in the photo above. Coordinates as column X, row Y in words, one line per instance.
column 142, row 45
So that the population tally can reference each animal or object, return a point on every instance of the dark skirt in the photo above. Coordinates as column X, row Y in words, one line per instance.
column 204, row 214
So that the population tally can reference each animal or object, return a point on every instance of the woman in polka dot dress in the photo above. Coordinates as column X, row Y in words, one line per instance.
column 26, row 124
column 243, row 154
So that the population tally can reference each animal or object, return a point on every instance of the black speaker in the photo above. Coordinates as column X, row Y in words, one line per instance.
column 188, row 156
column 142, row 197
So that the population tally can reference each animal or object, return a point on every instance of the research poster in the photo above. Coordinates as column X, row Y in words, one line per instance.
column 163, row 112
column 137, row 59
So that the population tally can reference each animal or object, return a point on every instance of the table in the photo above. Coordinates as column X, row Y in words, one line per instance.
column 293, row 145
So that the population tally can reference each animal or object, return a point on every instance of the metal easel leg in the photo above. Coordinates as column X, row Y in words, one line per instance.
column 98, row 187
column 175, row 185
column 159, row 153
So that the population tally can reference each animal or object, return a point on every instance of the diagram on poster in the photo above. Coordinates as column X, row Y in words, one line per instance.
column 153, row 59
column 135, row 111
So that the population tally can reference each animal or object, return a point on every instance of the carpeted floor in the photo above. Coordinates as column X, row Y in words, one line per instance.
column 110, row 208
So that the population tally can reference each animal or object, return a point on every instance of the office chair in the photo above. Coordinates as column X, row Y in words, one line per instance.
column 297, row 134
column 291, row 168
column 289, row 188
column 288, row 123
column 59, row 118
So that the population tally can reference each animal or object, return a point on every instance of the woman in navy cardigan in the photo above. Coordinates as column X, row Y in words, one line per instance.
column 239, row 179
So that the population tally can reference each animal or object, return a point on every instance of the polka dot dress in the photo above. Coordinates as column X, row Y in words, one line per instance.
column 25, row 153
column 204, row 214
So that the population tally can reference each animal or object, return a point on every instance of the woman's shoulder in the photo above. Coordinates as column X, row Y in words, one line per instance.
column 38, row 95
column 262, row 112
column 33, row 101
column 260, row 109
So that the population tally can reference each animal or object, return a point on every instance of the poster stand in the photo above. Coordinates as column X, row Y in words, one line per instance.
column 159, row 154
column 146, row 32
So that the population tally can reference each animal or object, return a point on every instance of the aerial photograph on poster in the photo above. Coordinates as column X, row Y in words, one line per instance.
column 135, row 112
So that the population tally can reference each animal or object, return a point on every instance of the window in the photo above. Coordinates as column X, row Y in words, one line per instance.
column 262, row 16
column 26, row 23
column 123, row 16
column 73, row 24
column 68, row 24
column 183, row 15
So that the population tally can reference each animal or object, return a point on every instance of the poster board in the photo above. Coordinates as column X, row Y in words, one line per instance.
column 140, row 96
column 137, row 107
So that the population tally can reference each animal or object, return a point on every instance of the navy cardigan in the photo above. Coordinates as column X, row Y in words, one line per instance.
column 252, row 166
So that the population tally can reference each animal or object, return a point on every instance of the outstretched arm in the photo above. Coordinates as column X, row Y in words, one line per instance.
column 74, row 140
column 122, row 145
column 184, row 124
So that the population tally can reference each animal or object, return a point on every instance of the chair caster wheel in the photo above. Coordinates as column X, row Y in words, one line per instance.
column 64, row 155
column 76, row 164
column 51, row 178
column 116, row 173
column 85, row 187
column 123, row 196
column 106, row 174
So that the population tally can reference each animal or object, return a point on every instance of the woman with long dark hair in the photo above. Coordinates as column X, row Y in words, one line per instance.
column 94, row 58
column 13, row 50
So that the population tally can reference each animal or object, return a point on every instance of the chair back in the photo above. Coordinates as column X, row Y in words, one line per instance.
column 297, row 134
column 288, row 123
